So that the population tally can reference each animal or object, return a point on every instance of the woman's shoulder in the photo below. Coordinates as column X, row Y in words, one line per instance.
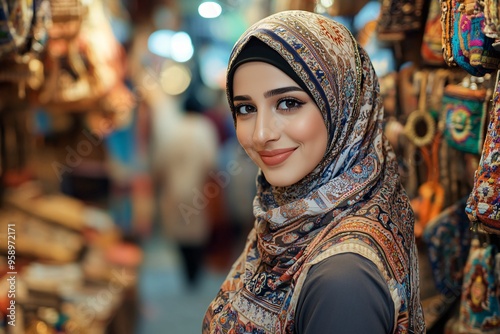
column 346, row 293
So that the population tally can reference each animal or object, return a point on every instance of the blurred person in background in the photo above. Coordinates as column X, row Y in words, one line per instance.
column 332, row 249
column 188, row 156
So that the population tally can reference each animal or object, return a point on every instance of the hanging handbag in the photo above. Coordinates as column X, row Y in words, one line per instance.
column 460, row 37
column 464, row 112
column 472, row 49
column 447, row 237
column 431, row 50
column 483, row 205
column 479, row 304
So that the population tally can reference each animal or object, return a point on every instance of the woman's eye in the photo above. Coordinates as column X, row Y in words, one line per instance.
column 244, row 109
column 287, row 104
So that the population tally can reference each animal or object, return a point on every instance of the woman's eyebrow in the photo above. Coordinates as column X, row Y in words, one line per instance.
column 242, row 98
column 282, row 90
column 270, row 93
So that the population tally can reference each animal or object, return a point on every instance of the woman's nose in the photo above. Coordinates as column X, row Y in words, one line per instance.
column 267, row 128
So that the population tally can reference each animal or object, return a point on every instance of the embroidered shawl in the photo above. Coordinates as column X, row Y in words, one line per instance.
column 352, row 202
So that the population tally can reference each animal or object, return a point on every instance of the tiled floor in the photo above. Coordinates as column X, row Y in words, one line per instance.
column 167, row 304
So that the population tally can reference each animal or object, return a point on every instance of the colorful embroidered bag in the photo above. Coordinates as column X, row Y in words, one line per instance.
column 472, row 50
column 464, row 112
column 479, row 304
column 448, row 241
column 460, row 37
column 483, row 205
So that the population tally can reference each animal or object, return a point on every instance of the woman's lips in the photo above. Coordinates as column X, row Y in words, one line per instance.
column 275, row 157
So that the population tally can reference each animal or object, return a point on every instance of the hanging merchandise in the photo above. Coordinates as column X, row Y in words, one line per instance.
column 447, row 31
column 464, row 42
column 464, row 108
column 431, row 50
column 420, row 128
column 68, row 77
column 15, row 24
column 398, row 17
column 483, row 205
column 438, row 80
column 430, row 199
column 23, row 35
column 448, row 241
column 479, row 305
column 85, row 63
column 491, row 20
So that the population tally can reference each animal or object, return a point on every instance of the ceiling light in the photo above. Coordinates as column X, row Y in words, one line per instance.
column 209, row 9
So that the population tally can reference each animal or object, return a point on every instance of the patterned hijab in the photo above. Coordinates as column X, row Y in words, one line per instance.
column 352, row 202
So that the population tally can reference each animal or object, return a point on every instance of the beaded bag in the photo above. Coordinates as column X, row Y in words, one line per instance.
column 479, row 305
column 471, row 49
column 483, row 205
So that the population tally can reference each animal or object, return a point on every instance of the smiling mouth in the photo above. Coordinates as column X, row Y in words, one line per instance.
column 275, row 157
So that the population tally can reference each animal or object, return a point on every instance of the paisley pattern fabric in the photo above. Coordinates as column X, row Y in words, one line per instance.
column 352, row 202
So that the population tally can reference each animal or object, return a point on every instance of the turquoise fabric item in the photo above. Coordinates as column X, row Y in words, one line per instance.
column 472, row 49
column 461, row 33
column 463, row 123
column 479, row 307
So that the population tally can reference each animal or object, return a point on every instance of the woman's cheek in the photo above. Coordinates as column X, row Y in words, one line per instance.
column 304, row 129
column 246, row 143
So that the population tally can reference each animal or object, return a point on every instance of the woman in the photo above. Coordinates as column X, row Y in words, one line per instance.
column 332, row 249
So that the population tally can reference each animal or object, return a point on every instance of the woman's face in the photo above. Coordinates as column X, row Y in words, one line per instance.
column 277, row 123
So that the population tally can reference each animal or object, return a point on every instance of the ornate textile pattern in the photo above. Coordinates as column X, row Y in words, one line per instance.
column 483, row 205
column 448, row 241
column 352, row 202
column 479, row 305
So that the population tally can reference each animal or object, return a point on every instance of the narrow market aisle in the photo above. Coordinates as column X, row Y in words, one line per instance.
column 167, row 304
